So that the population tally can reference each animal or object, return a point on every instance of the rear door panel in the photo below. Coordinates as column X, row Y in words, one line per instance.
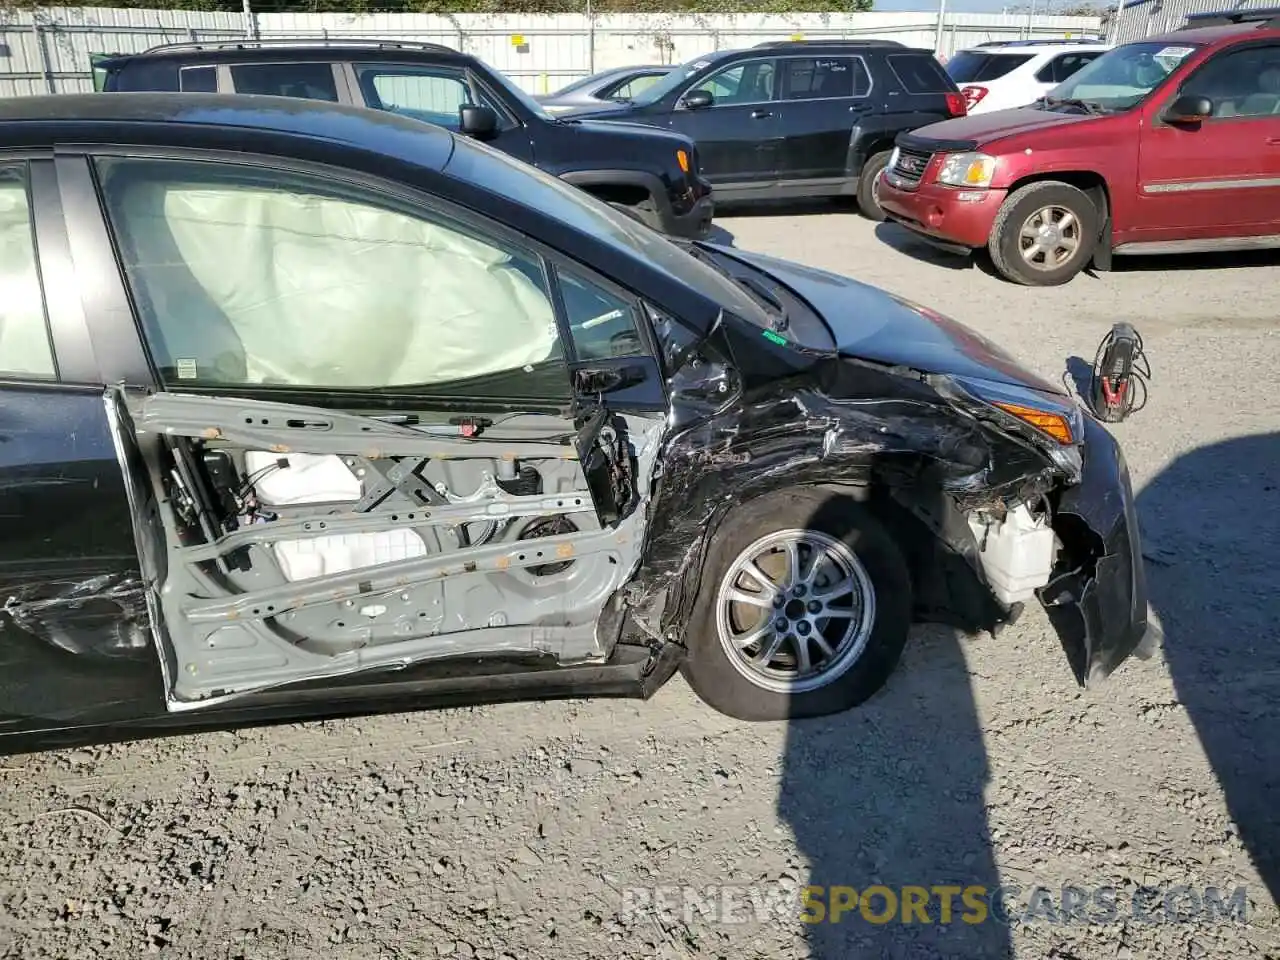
column 824, row 99
column 74, row 632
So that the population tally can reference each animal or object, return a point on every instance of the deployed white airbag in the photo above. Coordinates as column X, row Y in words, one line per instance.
column 322, row 291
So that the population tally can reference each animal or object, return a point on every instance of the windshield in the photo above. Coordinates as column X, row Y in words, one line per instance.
column 1121, row 78
column 674, row 79
column 525, row 99
column 527, row 185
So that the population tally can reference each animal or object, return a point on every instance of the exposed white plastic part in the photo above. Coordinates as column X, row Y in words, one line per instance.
column 311, row 478
column 1016, row 553
column 304, row 559
column 308, row 478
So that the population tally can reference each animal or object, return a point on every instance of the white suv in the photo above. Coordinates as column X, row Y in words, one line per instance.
column 1000, row 74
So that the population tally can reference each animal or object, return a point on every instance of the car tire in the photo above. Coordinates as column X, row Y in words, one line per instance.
column 865, row 638
column 868, row 202
column 1058, row 252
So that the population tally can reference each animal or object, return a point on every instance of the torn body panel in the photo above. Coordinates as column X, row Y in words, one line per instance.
column 506, row 544
column 1097, row 598
column 922, row 447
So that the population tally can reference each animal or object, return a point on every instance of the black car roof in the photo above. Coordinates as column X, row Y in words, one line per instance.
column 101, row 117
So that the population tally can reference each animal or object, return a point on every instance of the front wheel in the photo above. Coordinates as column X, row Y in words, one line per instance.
column 1044, row 234
column 804, row 609
column 869, row 186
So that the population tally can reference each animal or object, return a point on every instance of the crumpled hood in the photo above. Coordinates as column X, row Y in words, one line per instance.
column 872, row 324
column 982, row 128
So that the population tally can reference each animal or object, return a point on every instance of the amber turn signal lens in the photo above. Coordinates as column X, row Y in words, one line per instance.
column 1055, row 425
column 682, row 158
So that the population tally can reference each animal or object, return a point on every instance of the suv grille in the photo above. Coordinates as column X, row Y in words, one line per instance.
column 911, row 166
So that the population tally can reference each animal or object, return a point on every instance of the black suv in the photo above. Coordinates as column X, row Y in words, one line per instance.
column 651, row 174
column 798, row 119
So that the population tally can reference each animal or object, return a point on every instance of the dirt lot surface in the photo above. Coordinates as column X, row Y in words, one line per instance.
column 541, row 830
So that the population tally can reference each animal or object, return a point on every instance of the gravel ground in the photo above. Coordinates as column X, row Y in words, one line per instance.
column 541, row 830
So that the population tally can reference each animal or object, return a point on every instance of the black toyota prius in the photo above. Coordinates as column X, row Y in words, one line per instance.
column 307, row 410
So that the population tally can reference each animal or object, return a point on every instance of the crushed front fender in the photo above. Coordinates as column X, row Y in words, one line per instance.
column 1097, row 596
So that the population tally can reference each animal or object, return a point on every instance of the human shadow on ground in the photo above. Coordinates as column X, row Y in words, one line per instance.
column 1211, row 536
column 891, row 795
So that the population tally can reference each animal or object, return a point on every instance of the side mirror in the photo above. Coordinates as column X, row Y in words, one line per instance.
column 1189, row 109
column 698, row 99
column 478, row 122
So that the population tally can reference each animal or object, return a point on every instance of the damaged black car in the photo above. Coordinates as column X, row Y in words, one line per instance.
column 310, row 411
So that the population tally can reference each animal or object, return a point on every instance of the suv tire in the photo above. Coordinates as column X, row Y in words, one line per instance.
column 1044, row 234
column 862, row 562
column 868, row 202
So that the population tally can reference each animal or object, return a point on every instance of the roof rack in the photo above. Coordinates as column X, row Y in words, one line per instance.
column 855, row 42
column 1055, row 42
column 288, row 42
column 1263, row 16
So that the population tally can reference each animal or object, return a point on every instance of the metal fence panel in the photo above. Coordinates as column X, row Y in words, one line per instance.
column 48, row 50
column 1150, row 18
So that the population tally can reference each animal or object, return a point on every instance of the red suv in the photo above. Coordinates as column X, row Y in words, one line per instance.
column 1170, row 144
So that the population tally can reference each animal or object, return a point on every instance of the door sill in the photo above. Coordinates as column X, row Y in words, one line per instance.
column 1204, row 245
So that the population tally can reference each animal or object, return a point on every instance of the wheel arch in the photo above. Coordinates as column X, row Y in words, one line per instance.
column 1095, row 187
column 946, row 585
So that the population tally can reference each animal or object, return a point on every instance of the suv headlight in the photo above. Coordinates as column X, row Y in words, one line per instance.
column 967, row 170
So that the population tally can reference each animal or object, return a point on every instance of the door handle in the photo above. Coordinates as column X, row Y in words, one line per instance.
column 1273, row 141
column 760, row 114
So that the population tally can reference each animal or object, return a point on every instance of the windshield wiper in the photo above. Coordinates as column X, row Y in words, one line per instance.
column 1088, row 106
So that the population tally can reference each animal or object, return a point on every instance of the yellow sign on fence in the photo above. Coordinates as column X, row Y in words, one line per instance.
column 518, row 40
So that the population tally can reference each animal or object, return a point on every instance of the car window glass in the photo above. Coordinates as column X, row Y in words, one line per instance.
column 24, row 332
column 245, row 276
column 1124, row 76
column 310, row 81
column 1241, row 83
column 1062, row 66
column 601, row 323
column 807, row 78
column 973, row 66
column 635, row 86
column 749, row 82
column 431, row 95
column 919, row 73
column 198, row 79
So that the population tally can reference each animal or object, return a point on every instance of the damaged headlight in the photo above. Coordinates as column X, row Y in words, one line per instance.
column 1054, row 417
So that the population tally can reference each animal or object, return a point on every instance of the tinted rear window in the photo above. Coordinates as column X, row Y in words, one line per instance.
column 157, row 74
column 310, row 81
column 970, row 66
column 920, row 73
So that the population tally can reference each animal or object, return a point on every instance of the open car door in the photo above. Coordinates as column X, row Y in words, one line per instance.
column 291, row 543
column 371, row 442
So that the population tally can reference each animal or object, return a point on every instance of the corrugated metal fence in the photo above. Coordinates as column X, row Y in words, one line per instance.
column 1149, row 18
column 49, row 50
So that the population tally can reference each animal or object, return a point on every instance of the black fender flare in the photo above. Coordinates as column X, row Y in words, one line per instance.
column 585, row 179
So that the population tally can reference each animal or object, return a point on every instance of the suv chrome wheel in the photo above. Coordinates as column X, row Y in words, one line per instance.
column 1049, row 237
column 794, row 611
